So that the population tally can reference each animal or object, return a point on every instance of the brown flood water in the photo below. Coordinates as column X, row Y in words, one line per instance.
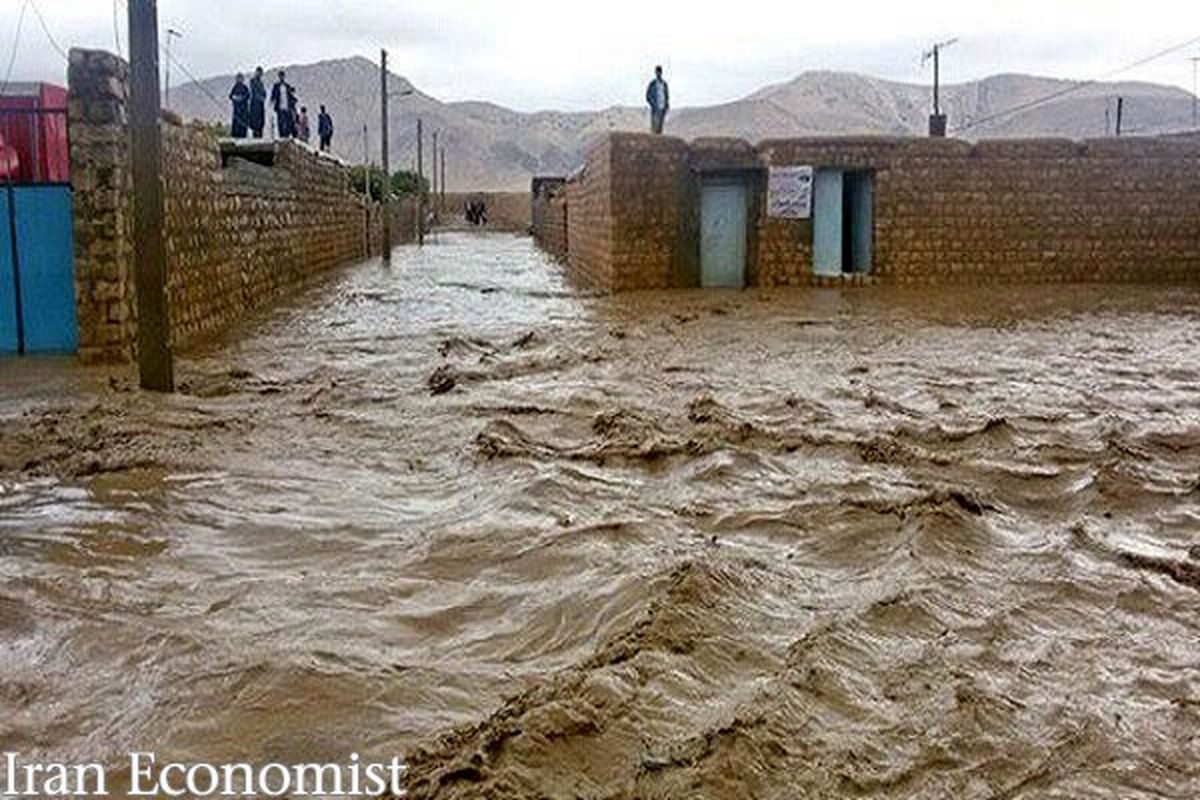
column 706, row 545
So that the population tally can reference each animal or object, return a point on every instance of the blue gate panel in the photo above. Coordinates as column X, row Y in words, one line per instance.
column 45, row 256
column 8, row 293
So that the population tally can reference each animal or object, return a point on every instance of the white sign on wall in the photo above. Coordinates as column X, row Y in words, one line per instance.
column 789, row 192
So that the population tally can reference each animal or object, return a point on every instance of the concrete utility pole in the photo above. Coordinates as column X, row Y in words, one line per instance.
column 420, row 184
column 171, row 34
column 937, row 122
column 1195, row 87
column 434, row 181
column 442, row 199
column 387, row 173
column 156, row 370
column 366, row 193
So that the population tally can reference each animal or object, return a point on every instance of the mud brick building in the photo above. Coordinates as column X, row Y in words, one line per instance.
column 244, row 226
column 651, row 212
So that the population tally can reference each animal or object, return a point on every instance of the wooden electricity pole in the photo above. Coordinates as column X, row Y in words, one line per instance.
column 156, row 370
column 420, row 184
column 442, row 199
column 387, row 172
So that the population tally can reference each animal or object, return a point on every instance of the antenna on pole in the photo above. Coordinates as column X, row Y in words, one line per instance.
column 937, row 121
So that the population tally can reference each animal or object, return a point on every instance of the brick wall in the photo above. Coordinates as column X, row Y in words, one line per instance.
column 590, row 220
column 238, row 237
column 1119, row 210
column 549, row 212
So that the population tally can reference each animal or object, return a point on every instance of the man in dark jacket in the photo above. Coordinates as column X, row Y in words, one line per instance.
column 658, row 96
column 258, row 104
column 324, row 129
column 283, row 101
column 239, row 96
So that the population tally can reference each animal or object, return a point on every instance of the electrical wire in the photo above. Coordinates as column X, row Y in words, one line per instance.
column 1075, row 87
column 12, row 58
column 37, row 12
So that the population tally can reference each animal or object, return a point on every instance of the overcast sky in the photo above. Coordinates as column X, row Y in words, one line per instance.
column 534, row 54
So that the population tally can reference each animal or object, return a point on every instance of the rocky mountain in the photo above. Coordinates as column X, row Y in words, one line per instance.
column 491, row 147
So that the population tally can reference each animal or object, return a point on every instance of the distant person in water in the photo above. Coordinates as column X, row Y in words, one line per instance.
column 239, row 96
column 258, row 104
column 283, row 101
column 658, row 97
column 325, row 129
column 303, row 131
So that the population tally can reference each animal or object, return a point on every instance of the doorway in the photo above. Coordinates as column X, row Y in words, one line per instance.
column 843, row 222
column 724, row 217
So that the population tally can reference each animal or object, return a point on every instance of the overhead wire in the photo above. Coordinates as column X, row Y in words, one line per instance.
column 37, row 12
column 1074, row 87
column 16, row 45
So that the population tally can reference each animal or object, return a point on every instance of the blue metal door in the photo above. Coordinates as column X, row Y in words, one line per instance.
column 37, row 268
column 10, row 339
column 827, row 222
column 723, row 218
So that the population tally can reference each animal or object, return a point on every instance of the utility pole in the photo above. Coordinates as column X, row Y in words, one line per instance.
column 171, row 34
column 1195, row 88
column 434, row 181
column 442, row 199
column 383, row 145
column 937, row 122
column 420, row 184
column 366, row 194
column 1120, row 113
column 156, row 370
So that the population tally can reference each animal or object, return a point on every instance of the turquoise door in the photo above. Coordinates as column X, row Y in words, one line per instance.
column 10, row 339
column 37, row 270
column 724, row 211
column 827, row 222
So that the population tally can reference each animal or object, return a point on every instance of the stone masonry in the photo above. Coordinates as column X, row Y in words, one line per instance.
column 1036, row 210
column 238, row 237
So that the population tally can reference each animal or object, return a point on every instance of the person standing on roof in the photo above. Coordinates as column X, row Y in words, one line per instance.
column 283, row 101
column 239, row 96
column 658, row 96
column 258, row 104
column 325, row 129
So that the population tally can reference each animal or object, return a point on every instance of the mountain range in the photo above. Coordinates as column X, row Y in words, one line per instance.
column 489, row 147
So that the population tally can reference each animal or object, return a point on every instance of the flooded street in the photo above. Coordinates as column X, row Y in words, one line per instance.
column 767, row 544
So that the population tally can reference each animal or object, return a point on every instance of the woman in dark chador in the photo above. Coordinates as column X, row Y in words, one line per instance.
column 239, row 95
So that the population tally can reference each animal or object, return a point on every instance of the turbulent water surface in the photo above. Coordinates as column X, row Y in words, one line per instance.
column 704, row 545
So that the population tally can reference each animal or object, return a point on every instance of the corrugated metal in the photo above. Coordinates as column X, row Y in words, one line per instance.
column 9, row 342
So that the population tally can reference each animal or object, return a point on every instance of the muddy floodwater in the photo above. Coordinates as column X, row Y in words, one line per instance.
column 771, row 544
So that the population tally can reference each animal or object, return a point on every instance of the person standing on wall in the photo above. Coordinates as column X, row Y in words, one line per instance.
column 239, row 96
column 658, row 96
column 258, row 104
column 325, row 129
column 283, row 101
column 303, row 130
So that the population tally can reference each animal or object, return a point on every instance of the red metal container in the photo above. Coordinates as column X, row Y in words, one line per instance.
column 33, row 134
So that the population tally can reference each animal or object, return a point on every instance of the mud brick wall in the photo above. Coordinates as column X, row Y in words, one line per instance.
column 1010, row 211
column 507, row 211
column 590, row 220
column 627, row 211
column 946, row 211
column 549, row 210
column 238, row 238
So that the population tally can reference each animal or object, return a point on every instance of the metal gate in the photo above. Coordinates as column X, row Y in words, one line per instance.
column 37, row 267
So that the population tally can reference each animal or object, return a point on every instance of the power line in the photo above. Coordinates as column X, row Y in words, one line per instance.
column 1074, row 87
column 37, row 12
column 12, row 59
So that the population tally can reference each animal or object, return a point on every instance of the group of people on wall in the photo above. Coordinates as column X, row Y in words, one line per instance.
column 249, row 99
